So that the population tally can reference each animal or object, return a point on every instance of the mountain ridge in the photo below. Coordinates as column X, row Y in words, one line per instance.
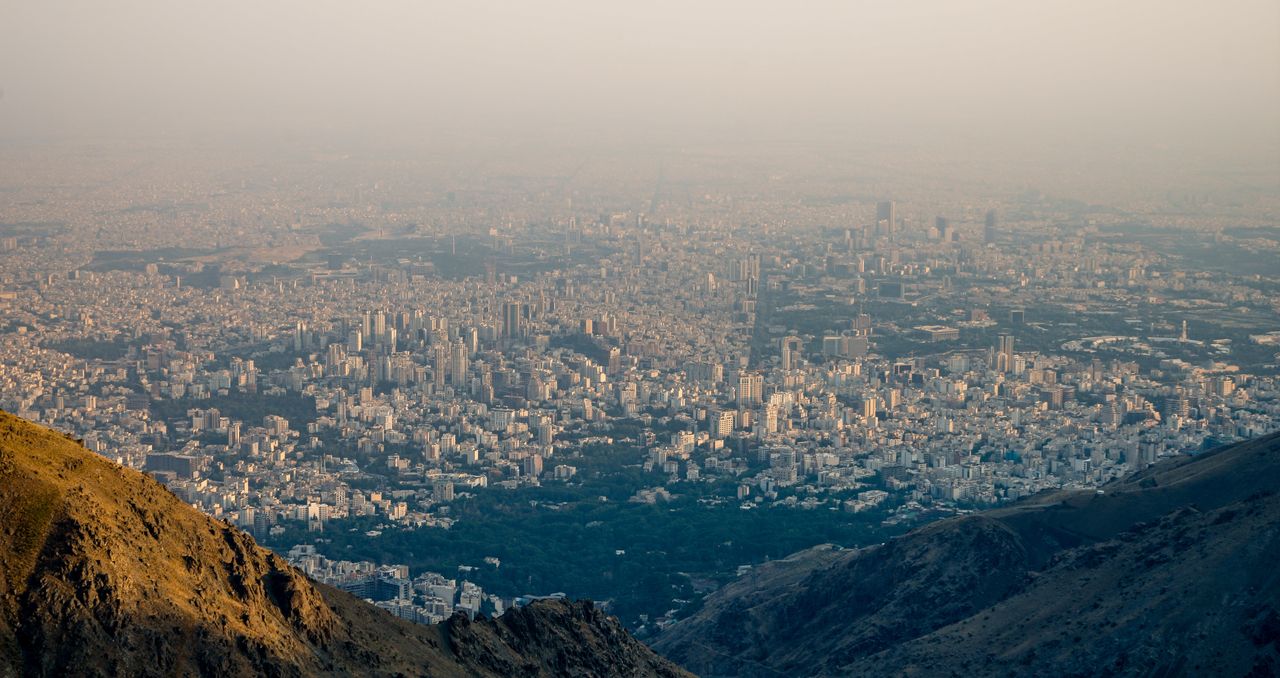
column 104, row 572
column 1184, row 548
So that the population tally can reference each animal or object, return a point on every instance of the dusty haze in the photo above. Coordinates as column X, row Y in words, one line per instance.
column 1163, row 72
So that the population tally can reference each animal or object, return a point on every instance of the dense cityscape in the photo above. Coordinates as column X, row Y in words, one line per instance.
column 652, row 340
column 354, row 371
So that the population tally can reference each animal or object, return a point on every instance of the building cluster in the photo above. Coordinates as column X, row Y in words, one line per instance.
column 887, row 364
column 428, row 598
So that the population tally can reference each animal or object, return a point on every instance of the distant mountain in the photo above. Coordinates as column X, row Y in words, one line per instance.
column 1172, row 571
column 104, row 572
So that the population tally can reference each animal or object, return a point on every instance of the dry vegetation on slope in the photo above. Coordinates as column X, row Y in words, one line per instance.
column 103, row 571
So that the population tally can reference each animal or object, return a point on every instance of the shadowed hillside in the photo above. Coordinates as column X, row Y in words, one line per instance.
column 1170, row 571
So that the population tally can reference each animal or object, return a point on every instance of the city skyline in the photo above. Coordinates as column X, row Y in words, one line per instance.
column 841, row 338
column 310, row 356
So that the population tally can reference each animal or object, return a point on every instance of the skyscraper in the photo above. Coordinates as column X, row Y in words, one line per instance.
column 458, row 363
column 989, row 228
column 440, row 364
column 1004, row 355
column 886, row 217
column 750, row 388
column 791, row 350
column 512, row 319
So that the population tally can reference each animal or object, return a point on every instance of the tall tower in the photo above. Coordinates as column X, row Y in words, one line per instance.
column 869, row 407
column 458, row 363
column 791, row 349
column 440, row 363
column 1004, row 356
column 989, row 228
column 750, row 388
column 943, row 226
column 512, row 319
column 886, row 213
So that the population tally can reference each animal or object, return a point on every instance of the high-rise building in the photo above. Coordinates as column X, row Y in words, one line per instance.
column 512, row 319
column 335, row 354
column 458, row 363
column 946, row 232
column 989, row 228
column 886, row 217
column 1004, row 353
column 770, row 419
column 890, row 289
column 791, row 351
column 750, row 388
column 533, row 465
column 299, row 336
column 861, row 324
column 440, row 363
column 705, row 372
column 722, row 424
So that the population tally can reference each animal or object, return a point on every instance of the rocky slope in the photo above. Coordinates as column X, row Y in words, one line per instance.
column 104, row 572
column 1169, row 572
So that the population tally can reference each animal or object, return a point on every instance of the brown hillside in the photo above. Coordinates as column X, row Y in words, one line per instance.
column 104, row 572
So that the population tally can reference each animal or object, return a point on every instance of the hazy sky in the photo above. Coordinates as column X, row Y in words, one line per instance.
column 1165, row 70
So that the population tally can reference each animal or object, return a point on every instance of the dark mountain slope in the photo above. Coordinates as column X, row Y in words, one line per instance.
column 1052, row 520
column 104, row 572
column 1194, row 594
column 1171, row 568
